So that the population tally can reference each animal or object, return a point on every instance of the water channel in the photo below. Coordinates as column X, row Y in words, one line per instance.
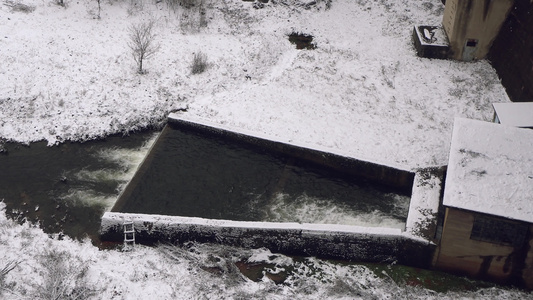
column 200, row 174
column 67, row 188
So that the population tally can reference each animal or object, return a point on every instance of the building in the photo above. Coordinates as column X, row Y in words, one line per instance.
column 472, row 26
column 518, row 114
column 469, row 28
column 488, row 202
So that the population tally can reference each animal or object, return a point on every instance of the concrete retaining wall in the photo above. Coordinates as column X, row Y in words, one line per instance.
column 394, row 176
column 325, row 241
column 423, row 213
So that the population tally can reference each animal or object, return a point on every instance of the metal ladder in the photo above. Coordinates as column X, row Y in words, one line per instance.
column 129, row 234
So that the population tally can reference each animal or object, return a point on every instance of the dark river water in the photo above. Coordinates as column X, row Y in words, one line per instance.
column 67, row 188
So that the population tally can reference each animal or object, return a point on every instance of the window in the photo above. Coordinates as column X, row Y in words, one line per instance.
column 471, row 43
column 499, row 231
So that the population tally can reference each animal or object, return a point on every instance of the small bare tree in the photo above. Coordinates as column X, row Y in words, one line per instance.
column 142, row 42
column 9, row 266
column 99, row 10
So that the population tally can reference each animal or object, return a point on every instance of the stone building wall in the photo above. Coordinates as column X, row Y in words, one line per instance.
column 486, row 250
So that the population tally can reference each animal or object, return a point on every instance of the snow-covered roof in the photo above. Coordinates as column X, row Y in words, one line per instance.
column 491, row 169
column 519, row 114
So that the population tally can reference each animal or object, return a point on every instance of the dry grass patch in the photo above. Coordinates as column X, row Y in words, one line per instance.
column 19, row 6
column 199, row 63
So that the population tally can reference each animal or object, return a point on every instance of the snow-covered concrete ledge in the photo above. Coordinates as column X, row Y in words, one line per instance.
column 424, row 206
column 369, row 244
column 393, row 175
column 431, row 42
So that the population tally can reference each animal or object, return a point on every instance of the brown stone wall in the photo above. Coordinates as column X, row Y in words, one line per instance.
column 512, row 52
column 527, row 273
column 457, row 252
column 461, row 254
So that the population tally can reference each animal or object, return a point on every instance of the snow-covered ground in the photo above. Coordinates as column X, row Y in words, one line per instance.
column 67, row 75
column 49, row 268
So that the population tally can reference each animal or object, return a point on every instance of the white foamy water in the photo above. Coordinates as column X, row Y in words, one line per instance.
column 81, row 197
column 400, row 205
column 126, row 161
column 103, row 175
column 306, row 209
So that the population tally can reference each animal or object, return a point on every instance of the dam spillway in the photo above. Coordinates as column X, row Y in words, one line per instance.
column 193, row 172
column 204, row 182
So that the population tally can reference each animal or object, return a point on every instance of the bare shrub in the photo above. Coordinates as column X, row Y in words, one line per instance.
column 135, row 6
column 317, row 4
column 94, row 9
column 173, row 4
column 193, row 16
column 203, row 16
column 65, row 277
column 61, row 3
column 389, row 73
column 185, row 4
column 142, row 42
column 190, row 3
column 9, row 266
column 18, row 6
column 199, row 63
column 99, row 9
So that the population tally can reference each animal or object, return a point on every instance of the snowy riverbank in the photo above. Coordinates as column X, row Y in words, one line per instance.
column 69, row 76
column 45, row 267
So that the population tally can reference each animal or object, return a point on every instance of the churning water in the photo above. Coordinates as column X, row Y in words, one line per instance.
column 306, row 209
